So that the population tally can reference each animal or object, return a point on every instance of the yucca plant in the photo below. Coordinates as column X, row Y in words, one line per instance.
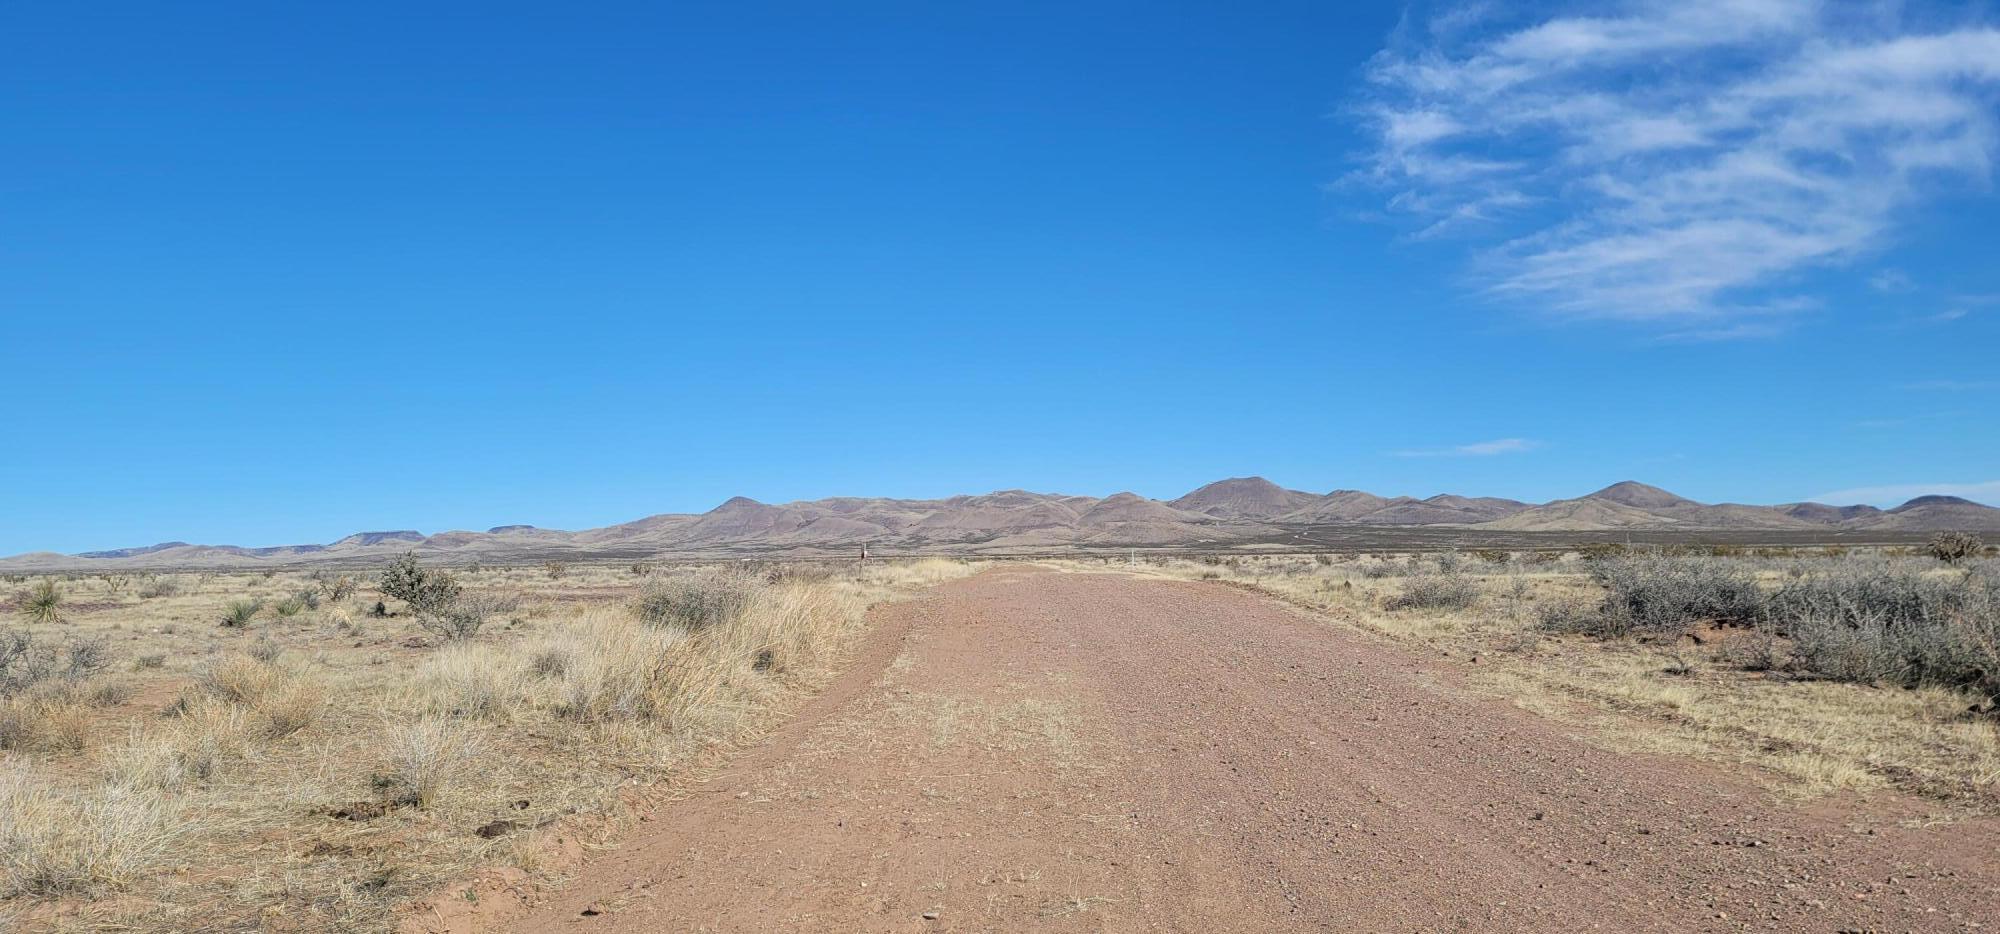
column 239, row 613
column 43, row 602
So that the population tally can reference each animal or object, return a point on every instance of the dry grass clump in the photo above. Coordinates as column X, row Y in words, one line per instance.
column 67, row 841
column 279, row 701
column 425, row 758
column 615, row 668
column 784, row 627
column 46, row 693
column 49, row 719
column 465, row 680
column 190, row 748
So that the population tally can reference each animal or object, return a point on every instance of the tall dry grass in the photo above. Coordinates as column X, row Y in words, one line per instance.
column 324, row 765
column 60, row 841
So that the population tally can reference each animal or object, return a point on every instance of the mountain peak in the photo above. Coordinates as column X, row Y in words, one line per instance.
column 377, row 538
column 737, row 502
column 1935, row 499
column 1639, row 496
column 1243, row 497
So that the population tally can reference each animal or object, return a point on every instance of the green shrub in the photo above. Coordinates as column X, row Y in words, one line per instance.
column 427, row 591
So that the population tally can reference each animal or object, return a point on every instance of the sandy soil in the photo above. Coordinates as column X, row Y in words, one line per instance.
column 1034, row 751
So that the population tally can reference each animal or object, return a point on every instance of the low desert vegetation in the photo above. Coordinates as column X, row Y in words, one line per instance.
column 1954, row 547
column 43, row 602
column 308, row 753
column 1833, row 668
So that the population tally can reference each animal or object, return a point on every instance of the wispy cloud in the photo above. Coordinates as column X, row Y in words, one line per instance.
column 1891, row 280
column 1676, row 161
column 1907, row 420
column 1897, row 493
column 1952, row 385
column 1476, row 449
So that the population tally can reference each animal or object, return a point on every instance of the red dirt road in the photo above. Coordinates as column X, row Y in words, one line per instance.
column 1035, row 751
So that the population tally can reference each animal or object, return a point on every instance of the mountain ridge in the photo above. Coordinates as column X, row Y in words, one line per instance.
column 1237, row 510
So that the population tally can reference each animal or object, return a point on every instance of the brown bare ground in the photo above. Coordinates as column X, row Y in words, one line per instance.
column 1029, row 751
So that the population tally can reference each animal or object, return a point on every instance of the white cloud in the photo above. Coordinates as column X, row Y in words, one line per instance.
column 1477, row 449
column 1898, row 493
column 1677, row 160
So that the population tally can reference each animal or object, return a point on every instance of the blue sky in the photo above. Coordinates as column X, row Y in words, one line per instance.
column 272, row 275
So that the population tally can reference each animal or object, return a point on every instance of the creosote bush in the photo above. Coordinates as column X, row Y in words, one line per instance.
column 465, row 616
column 335, row 587
column 1447, row 591
column 698, row 600
column 157, row 588
column 1659, row 594
column 1895, row 624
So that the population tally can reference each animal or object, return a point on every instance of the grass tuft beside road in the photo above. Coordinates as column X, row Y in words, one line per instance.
column 1686, row 660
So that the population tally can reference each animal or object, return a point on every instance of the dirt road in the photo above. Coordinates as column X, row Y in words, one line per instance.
column 1036, row 751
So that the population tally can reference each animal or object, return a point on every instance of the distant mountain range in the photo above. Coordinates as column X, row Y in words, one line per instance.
column 1238, row 511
